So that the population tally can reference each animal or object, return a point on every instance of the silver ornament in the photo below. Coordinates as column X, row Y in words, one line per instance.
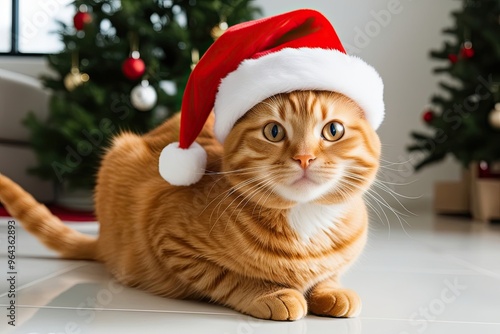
column 143, row 96
column 475, row 98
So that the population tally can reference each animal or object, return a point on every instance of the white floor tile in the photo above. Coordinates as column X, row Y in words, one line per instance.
column 46, row 320
column 404, row 278
column 90, row 286
column 33, row 270
column 434, row 296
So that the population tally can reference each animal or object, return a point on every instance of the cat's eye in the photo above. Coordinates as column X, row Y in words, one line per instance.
column 274, row 132
column 333, row 131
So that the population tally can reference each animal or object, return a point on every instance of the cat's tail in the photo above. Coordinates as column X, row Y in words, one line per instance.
column 38, row 220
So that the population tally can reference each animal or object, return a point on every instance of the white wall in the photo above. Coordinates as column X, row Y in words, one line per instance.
column 398, row 50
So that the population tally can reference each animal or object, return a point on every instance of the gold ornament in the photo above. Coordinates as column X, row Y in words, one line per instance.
column 74, row 78
column 494, row 117
column 218, row 30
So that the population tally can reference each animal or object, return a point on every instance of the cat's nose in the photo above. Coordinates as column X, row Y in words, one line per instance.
column 304, row 159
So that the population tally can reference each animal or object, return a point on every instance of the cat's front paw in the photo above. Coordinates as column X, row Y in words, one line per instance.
column 286, row 304
column 339, row 303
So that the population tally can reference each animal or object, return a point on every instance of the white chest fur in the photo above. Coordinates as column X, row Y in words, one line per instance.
column 309, row 219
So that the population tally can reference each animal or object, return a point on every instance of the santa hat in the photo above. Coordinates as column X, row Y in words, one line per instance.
column 255, row 60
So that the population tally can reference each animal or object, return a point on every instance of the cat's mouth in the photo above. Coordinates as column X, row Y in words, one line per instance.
column 308, row 185
column 304, row 180
column 304, row 187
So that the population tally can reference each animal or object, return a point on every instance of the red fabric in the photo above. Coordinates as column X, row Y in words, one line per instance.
column 303, row 28
column 63, row 214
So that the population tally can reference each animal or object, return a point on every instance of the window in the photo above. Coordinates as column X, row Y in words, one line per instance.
column 5, row 24
column 30, row 27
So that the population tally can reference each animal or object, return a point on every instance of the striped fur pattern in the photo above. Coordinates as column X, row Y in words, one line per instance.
column 260, row 233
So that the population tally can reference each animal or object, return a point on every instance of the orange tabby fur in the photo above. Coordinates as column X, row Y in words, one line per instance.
column 228, row 238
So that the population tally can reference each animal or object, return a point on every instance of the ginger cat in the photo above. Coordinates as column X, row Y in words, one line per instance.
column 268, row 230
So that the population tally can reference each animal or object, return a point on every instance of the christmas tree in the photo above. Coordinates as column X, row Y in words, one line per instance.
column 123, row 68
column 465, row 118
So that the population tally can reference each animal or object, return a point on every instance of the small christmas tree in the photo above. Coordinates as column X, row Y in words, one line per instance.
column 123, row 67
column 466, row 120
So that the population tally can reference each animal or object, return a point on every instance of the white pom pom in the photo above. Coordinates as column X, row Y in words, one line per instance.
column 182, row 167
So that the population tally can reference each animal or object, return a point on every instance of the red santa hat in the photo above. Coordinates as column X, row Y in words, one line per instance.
column 252, row 61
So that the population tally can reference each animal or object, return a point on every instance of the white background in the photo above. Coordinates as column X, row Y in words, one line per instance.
column 397, row 46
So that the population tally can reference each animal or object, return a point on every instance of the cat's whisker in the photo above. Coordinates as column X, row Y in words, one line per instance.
column 237, row 171
column 254, row 169
column 383, row 213
column 358, row 169
column 401, row 204
column 375, row 210
column 346, row 196
column 355, row 176
column 247, row 200
column 233, row 190
column 369, row 204
column 267, row 186
column 270, row 191
column 213, row 173
column 257, row 203
column 228, row 193
column 252, row 190
column 382, row 186
column 383, row 169
column 396, row 213
column 256, row 187
column 252, row 195
column 242, row 184
column 210, row 192
column 393, row 163
column 250, row 170
column 381, row 202
column 395, row 183
column 370, row 197
column 384, row 202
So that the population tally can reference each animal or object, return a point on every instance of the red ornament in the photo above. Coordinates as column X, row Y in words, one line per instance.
column 81, row 19
column 488, row 170
column 467, row 52
column 453, row 58
column 428, row 116
column 133, row 68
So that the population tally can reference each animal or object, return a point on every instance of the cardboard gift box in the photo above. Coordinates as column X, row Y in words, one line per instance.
column 485, row 191
column 453, row 197
column 478, row 193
